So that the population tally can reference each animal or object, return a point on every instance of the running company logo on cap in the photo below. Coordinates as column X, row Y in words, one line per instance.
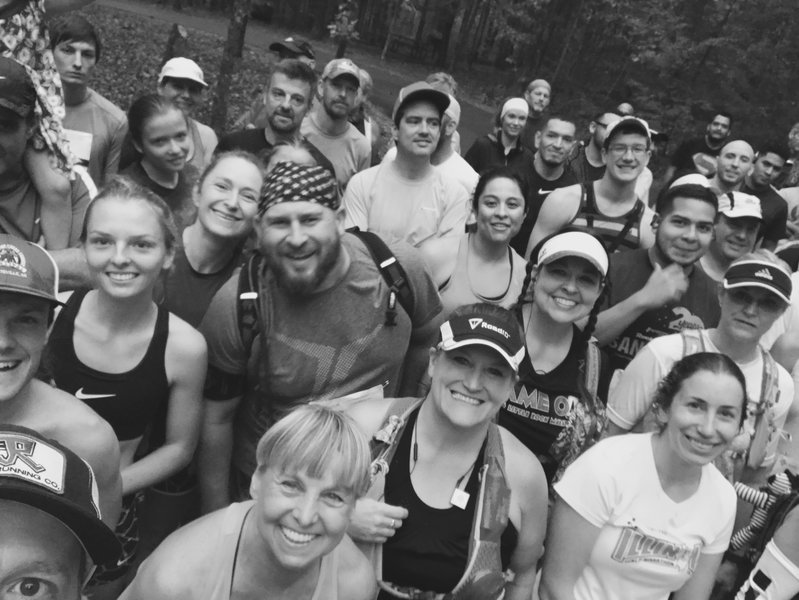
column 290, row 182
column 734, row 205
column 759, row 273
column 496, row 332
column 342, row 66
column 182, row 68
column 41, row 473
column 575, row 243
column 28, row 269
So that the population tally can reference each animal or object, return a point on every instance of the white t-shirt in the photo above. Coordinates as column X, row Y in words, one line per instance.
column 648, row 545
column 348, row 152
column 398, row 209
column 630, row 400
column 455, row 166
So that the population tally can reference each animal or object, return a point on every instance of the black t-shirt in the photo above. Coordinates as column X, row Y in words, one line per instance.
column 584, row 170
column 538, row 189
column 775, row 212
column 541, row 402
column 179, row 199
column 696, row 155
column 254, row 140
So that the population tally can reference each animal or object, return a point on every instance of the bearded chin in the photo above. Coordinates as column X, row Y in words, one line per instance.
column 303, row 284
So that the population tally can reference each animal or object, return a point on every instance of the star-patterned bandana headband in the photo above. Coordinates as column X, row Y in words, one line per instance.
column 290, row 182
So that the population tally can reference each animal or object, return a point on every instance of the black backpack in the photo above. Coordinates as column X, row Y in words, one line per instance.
column 248, row 308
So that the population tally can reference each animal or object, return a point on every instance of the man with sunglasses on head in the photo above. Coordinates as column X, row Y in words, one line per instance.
column 608, row 207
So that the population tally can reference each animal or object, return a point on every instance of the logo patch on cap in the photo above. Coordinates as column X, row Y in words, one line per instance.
column 31, row 461
column 12, row 261
column 764, row 274
column 473, row 323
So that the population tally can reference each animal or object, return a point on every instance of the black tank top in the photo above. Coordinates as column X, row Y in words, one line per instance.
column 128, row 401
column 609, row 229
column 430, row 550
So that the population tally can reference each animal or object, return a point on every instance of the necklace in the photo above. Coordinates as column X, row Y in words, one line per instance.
column 460, row 497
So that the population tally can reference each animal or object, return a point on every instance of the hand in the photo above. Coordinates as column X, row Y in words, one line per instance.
column 664, row 285
column 374, row 521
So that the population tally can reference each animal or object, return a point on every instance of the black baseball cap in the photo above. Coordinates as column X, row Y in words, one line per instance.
column 41, row 473
column 499, row 332
column 17, row 93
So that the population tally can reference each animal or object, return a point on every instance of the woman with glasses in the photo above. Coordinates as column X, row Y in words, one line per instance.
column 755, row 291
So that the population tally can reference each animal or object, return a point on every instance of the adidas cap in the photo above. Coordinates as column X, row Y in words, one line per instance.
column 498, row 331
column 759, row 273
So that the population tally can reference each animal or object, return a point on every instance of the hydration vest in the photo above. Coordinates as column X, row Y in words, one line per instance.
column 483, row 577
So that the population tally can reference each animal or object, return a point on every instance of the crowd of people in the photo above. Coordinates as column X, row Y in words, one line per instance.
column 282, row 362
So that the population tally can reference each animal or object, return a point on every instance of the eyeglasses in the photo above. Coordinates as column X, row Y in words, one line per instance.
column 769, row 303
column 619, row 150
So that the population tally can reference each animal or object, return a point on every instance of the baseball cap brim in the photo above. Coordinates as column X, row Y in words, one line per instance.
column 482, row 333
column 96, row 538
column 439, row 99
column 759, row 274
column 578, row 244
column 18, row 109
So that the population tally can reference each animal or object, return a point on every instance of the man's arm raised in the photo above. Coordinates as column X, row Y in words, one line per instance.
column 558, row 210
column 664, row 285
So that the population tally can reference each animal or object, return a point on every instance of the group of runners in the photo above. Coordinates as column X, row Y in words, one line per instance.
column 284, row 362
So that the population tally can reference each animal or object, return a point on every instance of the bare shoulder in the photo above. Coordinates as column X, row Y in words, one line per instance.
column 179, row 565
column 184, row 340
column 356, row 577
column 369, row 415
column 570, row 193
column 524, row 471
column 63, row 417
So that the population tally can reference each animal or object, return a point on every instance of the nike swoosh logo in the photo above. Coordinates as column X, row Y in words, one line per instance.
column 543, row 191
column 81, row 395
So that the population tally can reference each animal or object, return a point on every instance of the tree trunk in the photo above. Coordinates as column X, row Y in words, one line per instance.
column 234, row 47
column 176, row 43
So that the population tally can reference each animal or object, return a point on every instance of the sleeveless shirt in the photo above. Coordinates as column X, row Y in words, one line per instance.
column 608, row 229
column 128, row 401
column 218, row 583
column 457, row 290
column 430, row 550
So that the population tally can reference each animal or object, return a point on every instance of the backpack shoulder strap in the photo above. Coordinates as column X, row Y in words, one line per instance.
column 633, row 217
column 247, row 304
column 592, row 366
column 392, row 272
column 692, row 342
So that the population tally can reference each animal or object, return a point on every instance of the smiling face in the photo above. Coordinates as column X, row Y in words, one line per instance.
column 301, row 242
column 186, row 93
column 39, row 557
column 500, row 210
column 513, row 123
column 165, row 141
column 418, row 130
column 735, row 237
column 300, row 518
column 703, row 418
column 566, row 289
column 469, row 384
column 23, row 335
column 227, row 198
column 626, row 156
column 555, row 141
column 684, row 233
column 125, row 247
column 734, row 162
column 748, row 312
